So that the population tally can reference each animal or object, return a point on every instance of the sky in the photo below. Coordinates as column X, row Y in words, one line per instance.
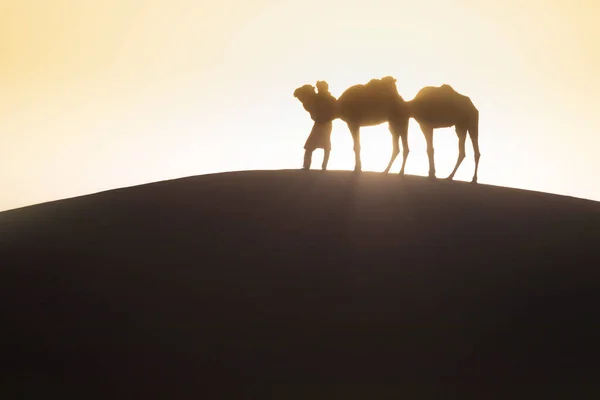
column 96, row 95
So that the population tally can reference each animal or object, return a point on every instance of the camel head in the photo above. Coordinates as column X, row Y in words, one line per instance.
column 305, row 93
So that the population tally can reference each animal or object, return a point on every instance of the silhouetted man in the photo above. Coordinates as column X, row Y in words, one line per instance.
column 320, row 135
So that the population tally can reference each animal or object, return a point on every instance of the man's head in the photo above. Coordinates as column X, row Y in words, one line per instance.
column 322, row 86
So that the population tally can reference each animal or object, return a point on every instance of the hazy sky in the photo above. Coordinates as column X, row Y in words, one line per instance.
column 103, row 94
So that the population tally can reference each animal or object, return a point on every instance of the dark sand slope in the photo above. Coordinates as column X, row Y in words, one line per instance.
column 293, row 275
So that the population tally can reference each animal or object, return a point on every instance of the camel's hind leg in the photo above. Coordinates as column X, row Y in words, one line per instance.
column 355, row 131
column 474, row 135
column 395, row 147
column 405, row 151
column 399, row 130
column 428, row 132
column 462, row 135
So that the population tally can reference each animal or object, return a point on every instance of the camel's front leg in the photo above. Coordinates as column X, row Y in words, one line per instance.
column 428, row 132
column 355, row 131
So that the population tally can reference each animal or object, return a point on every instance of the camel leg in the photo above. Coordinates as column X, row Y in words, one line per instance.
column 462, row 135
column 475, row 140
column 428, row 132
column 355, row 131
column 307, row 159
column 325, row 159
column 405, row 149
column 395, row 147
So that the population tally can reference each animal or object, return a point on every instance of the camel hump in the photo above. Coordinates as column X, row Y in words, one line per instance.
column 445, row 91
column 377, row 89
column 388, row 82
column 383, row 89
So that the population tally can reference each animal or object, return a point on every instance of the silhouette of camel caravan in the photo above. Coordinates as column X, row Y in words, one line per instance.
column 378, row 101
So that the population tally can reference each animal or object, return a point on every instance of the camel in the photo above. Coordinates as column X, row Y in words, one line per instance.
column 442, row 107
column 433, row 107
column 372, row 104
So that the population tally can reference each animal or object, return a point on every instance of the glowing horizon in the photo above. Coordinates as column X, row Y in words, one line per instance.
column 97, row 96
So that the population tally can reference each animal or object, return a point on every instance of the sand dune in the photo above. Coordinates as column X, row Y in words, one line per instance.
column 295, row 276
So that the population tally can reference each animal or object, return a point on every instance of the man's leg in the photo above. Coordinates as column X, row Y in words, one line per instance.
column 307, row 159
column 325, row 159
